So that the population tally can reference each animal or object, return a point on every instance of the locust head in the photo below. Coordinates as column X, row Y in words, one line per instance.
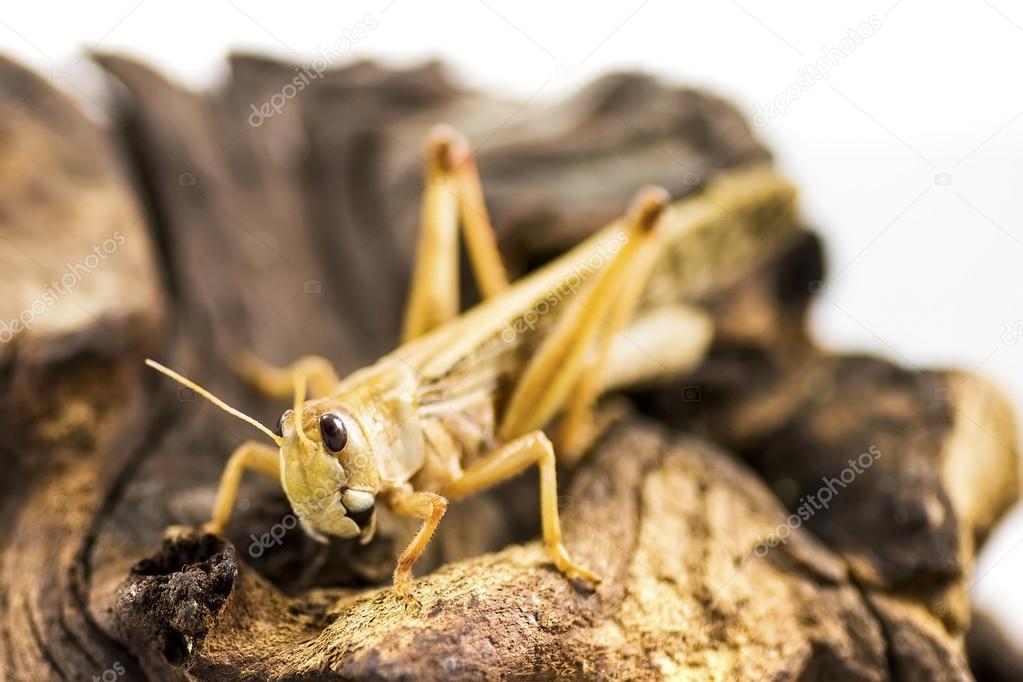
column 328, row 468
column 327, row 464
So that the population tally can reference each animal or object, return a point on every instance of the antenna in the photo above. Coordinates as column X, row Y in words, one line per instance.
column 213, row 399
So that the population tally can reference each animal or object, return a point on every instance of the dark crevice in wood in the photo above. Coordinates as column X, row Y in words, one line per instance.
column 886, row 629
column 136, row 155
column 43, row 644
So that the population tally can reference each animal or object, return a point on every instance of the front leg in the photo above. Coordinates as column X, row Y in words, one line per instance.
column 429, row 507
column 511, row 459
column 248, row 455
column 279, row 382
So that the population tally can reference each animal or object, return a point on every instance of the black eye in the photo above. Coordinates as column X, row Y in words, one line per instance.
column 333, row 431
column 279, row 427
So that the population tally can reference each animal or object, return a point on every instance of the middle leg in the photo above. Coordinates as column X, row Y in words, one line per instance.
column 511, row 459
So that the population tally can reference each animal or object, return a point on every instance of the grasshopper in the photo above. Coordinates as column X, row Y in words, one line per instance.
column 462, row 404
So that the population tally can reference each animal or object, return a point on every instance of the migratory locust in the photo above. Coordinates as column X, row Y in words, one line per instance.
column 464, row 402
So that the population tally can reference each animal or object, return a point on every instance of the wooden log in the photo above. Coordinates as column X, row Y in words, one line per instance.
column 80, row 303
column 902, row 471
column 669, row 523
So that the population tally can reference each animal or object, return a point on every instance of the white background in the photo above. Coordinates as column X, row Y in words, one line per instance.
column 908, row 153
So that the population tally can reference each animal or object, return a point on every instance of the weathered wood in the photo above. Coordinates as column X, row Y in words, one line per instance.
column 80, row 304
column 940, row 446
column 669, row 526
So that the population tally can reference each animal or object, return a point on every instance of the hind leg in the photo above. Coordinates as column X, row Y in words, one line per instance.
column 433, row 295
column 558, row 373
column 452, row 196
column 665, row 343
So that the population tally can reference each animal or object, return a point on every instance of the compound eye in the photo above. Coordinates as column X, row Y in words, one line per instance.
column 333, row 431
column 279, row 427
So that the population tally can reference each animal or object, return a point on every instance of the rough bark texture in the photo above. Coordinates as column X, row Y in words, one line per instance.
column 294, row 236
column 668, row 523
column 944, row 462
